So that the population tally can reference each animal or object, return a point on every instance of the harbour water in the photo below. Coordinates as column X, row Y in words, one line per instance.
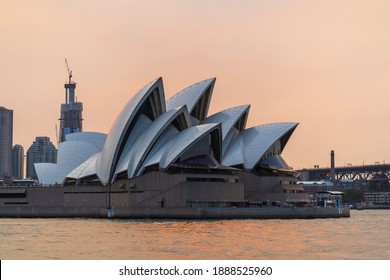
column 362, row 236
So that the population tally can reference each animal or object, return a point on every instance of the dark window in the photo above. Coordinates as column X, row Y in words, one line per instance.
column 13, row 195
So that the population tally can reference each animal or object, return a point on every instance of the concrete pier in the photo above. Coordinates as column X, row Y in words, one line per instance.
column 175, row 213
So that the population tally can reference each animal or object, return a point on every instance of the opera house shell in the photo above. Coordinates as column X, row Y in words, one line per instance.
column 169, row 159
column 152, row 135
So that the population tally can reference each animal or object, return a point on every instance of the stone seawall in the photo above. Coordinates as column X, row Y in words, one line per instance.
column 176, row 213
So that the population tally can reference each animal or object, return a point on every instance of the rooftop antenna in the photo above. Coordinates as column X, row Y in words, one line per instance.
column 69, row 71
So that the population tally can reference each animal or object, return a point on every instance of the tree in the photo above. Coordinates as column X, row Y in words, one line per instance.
column 353, row 196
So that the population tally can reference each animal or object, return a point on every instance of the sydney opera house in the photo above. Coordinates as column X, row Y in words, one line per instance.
column 168, row 158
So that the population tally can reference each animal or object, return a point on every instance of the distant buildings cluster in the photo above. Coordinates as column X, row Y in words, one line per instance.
column 12, row 157
column 6, row 124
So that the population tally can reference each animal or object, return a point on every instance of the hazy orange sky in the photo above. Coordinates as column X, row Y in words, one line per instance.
column 324, row 64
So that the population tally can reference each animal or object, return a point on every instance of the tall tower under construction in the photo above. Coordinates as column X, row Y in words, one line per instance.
column 71, row 119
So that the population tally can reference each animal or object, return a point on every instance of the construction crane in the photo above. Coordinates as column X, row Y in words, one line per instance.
column 69, row 71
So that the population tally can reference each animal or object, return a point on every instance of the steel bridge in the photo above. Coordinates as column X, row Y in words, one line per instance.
column 377, row 172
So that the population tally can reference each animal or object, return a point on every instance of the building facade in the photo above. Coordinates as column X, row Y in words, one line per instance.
column 41, row 150
column 176, row 136
column 377, row 198
column 17, row 162
column 71, row 119
column 6, row 129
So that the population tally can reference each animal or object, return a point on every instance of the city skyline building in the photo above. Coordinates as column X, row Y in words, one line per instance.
column 71, row 119
column 17, row 162
column 41, row 150
column 6, row 131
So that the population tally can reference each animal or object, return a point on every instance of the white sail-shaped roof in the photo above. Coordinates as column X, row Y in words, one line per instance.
column 149, row 101
column 148, row 138
column 196, row 97
column 72, row 154
column 46, row 173
column 258, row 142
column 94, row 138
column 123, row 163
column 187, row 138
column 158, row 149
column 86, row 169
column 231, row 119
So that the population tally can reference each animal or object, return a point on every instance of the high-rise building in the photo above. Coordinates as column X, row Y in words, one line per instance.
column 71, row 119
column 17, row 161
column 41, row 150
column 6, row 127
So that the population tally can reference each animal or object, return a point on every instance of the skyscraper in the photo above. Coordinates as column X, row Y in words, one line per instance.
column 6, row 126
column 41, row 150
column 71, row 111
column 17, row 161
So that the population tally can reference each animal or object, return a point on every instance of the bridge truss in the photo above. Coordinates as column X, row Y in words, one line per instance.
column 379, row 172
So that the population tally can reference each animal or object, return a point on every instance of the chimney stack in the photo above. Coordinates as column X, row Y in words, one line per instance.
column 332, row 169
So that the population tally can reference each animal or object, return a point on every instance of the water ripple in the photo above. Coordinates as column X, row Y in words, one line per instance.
column 363, row 236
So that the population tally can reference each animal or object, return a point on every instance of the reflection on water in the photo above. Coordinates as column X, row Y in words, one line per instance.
column 363, row 236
